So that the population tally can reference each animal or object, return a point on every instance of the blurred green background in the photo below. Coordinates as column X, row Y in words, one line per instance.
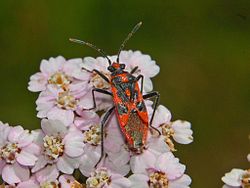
column 203, row 48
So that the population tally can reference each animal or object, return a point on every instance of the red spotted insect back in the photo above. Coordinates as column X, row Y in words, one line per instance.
column 128, row 99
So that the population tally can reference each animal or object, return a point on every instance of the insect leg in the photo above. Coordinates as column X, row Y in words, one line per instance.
column 142, row 78
column 156, row 101
column 103, row 91
column 102, row 75
column 104, row 120
column 134, row 70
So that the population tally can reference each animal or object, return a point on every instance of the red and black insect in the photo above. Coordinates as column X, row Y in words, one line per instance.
column 128, row 100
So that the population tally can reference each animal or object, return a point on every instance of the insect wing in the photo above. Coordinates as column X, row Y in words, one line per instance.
column 131, row 114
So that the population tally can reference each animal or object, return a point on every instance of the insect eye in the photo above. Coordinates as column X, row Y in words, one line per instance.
column 111, row 68
column 122, row 66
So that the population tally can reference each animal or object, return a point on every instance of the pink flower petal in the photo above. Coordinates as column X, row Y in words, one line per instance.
column 122, row 169
column 66, row 181
column 40, row 163
column 86, row 119
column 26, row 159
column 33, row 149
column 170, row 165
column 15, row 133
column 2, row 164
column 157, row 145
column 37, row 82
column 15, row 173
column 4, row 132
column 162, row 115
column 118, row 181
column 31, row 183
column 66, row 116
column 89, row 159
column 74, row 144
column 67, row 165
column 52, row 65
column 53, row 127
column 50, row 173
column 139, row 163
column 139, row 180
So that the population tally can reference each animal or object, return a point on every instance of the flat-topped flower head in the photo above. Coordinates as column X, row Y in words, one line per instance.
column 166, row 172
column 57, row 104
column 60, row 145
column 179, row 130
column 59, row 73
column 17, row 153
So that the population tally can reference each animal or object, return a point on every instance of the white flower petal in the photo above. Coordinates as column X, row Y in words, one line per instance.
column 182, row 182
column 162, row 115
column 182, row 132
column 233, row 178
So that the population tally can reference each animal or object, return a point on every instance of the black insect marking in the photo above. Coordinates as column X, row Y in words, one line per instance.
column 117, row 80
column 131, row 78
column 122, row 109
column 140, row 106
column 133, row 111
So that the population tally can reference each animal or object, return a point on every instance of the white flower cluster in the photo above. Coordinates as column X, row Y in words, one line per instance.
column 70, row 138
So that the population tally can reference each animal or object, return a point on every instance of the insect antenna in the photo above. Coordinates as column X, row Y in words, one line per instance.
column 93, row 47
column 126, row 39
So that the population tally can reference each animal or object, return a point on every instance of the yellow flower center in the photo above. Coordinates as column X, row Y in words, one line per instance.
column 76, row 184
column 246, row 179
column 66, row 101
column 53, row 147
column 98, row 82
column 60, row 79
column 50, row 185
column 98, row 179
column 9, row 152
column 93, row 135
column 168, row 132
column 158, row 180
